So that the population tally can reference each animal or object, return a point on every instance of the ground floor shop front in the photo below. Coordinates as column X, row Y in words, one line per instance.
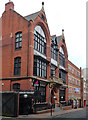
column 75, row 102
column 41, row 95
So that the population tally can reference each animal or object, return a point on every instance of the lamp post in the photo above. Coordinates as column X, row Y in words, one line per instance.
column 51, row 85
column 51, row 103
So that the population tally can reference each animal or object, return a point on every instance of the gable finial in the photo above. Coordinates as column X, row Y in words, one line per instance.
column 43, row 5
column 62, row 32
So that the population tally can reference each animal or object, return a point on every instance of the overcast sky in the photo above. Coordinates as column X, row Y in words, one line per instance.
column 69, row 15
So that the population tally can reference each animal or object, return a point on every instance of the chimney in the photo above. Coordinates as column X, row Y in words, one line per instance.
column 62, row 32
column 43, row 5
column 9, row 5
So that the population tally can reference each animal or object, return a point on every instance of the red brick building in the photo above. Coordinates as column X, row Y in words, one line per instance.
column 32, row 59
column 84, row 78
column 74, row 84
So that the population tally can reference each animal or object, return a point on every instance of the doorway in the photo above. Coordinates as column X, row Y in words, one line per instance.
column 84, row 103
column 25, row 105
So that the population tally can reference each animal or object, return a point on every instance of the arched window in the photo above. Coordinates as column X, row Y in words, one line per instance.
column 17, row 66
column 18, row 40
column 16, row 86
column 61, row 57
column 39, row 40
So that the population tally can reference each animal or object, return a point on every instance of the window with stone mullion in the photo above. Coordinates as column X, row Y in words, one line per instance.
column 39, row 43
column 40, row 68
column 53, row 53
column 61, row 60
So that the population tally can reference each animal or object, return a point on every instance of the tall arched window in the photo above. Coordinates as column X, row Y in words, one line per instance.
column 39, row 40
column 61, row 57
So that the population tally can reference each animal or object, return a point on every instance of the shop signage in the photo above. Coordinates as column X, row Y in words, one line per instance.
column 76, row 89
column 36, row 83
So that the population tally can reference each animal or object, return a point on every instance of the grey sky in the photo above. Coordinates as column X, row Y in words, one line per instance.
column 69, row 15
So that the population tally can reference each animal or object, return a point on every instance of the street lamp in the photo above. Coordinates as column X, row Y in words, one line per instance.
column 25, row 95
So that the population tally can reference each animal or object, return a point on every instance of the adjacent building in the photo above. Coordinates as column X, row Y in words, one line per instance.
column 84, row 78
column 74, row 84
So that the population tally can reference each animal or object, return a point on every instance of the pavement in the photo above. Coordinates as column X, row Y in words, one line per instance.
column 48, row 115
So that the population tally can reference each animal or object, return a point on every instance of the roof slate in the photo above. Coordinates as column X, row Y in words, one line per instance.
column 32, row 16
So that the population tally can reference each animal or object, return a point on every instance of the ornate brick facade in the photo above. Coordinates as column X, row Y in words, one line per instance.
column 55, row 86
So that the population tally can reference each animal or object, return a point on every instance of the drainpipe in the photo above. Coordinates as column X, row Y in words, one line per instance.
column 28, row 51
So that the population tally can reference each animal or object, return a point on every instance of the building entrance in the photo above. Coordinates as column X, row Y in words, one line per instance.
column 84, row 103
column 62, row 95
column 25, row 104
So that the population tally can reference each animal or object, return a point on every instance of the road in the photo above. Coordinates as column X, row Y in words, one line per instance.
column 78, row 114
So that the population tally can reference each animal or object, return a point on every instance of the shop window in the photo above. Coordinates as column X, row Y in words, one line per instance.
column 39, row 40
column 16, row 86
column 40, row 68
column 40, row 91
column 18, row 40
column 17, row 66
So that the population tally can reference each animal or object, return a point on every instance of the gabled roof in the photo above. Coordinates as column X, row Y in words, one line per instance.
column 32, row 16
column 58, row 38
